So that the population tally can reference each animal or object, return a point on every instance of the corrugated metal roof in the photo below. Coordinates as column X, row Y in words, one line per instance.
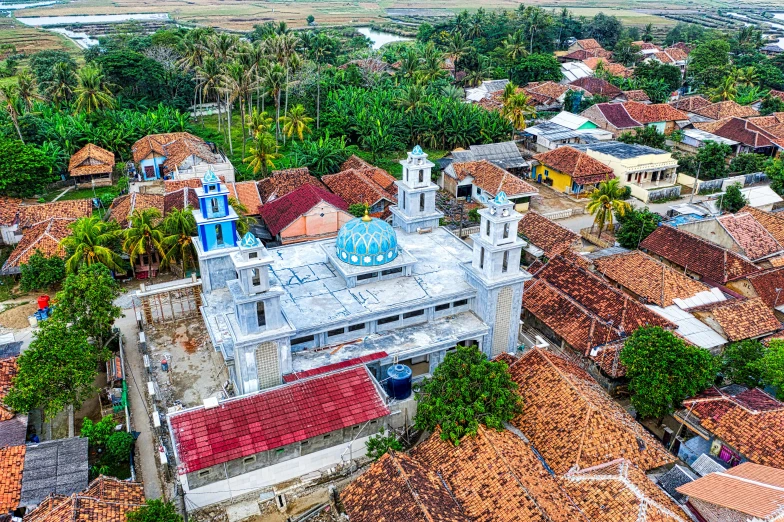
column 700, row 135
column 575, row 70
column 705, row 464
column 552, row 131
column 569, row 120
column 691, row 328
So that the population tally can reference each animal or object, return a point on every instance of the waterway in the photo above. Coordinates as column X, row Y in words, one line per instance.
column 45, row 21
column 13, row 7
column 380, row 38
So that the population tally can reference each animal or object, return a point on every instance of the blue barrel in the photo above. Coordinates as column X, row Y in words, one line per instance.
column 399, row 381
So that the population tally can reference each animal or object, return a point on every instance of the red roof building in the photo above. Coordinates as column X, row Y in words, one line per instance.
column 307, row 213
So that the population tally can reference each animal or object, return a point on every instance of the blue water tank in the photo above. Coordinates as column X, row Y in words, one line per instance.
column 399, row 381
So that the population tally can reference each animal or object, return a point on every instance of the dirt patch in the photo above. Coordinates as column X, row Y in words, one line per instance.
column 17, row 318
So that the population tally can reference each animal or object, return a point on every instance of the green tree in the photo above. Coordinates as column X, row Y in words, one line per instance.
column 25, row 170
column 649, row 136
column 56, row 372
column 635, row 226
column 92, row 94
column 119, row 445
column 709, row 54
column 518, row 110
column 626, row 52
column 357, row 209
column 606, row 29
column 379, row 444
column 43, row 64
column 740, row 362
column 775, row 172
column 748, row 163
column 97, row 433
column 296, row 122
column 155, row 510
column 652, row 71
column 771, row 104
column 606, row 201
column 772, row 366
column 179, row 226
column 712, row 159
column 663, row 370
column 323, row 156
column 310, row 19
column 466, row 390
column 536, row 68
column 733, row 199
column 245, row 221
column 91, row 241
column 87, row 301
column 144, row 236
column 41, row 272
column 262, row 154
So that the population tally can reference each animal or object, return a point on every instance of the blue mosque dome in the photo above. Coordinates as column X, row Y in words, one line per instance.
column 366, row 241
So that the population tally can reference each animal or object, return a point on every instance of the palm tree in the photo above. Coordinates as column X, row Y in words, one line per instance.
column 262, row 153
column 259, row 122
column 647, row 35
column 274, row 77
column 536, row 18
column 320, row 51
column 518, row 109
column 9, row 96
column 296, row 122
column 144, row 237
column 179, row 226
column 27, row 89
column 475, row 25
column 244, row 222
column 60, row 88
column 746, row 76
column 90, row 242
column 456, row 48
column 605, row 201
column 414, row 97
column 452, row 91
column 514, row 46
column 727, row 90
column 92, row 94
column 210, row 76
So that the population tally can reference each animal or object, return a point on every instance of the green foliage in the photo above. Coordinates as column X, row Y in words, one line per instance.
column 626, row 53
column 357, row 209
column 379, row 444
column 772, row 365
column 466, row 390
column 155, row 510
column 709, row 63
column 605, row 201
column 712, row 159
column 652, row 71
column 87, row 301
column 663, row 370
column 683, row 32
column 740, row 362
column 771, row 104
column 775, row 172
column 635, row 226
column 323, row 156
column 118, row 446
column 606, row 29
column 98, row 433
column 536, row 68
column 41, row 272
column 42, row 63
column 748, row 163
column 473, row 215
column 646, row 136
column 57, row 370
column 733, row 199
column 25, row 169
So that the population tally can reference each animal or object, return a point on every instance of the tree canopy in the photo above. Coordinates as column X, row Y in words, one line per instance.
column 41, row 272
column 25, row 170
column 155, row 510
column 740, row 362
column 635, row 226
column 733, row 199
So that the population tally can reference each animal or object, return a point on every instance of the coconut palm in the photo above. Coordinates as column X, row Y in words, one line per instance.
column 296, row 122
column 244, row 222
column 90, row 242
column 179, row 226
column 60, row 88
column 727, row 90
column 210, row 77
column 259, row 122
column 606, row 201
column 92, row 94
column 27, row 89
column 746, row 76
column 9, row 96
column 144, row 236
column 518, row 109
column 456, row 48
column 647, row 34
column 321, row 48
column 413, row 97
column 536, row 19
column 262, row 153
column 274, row 76
column 514, row 46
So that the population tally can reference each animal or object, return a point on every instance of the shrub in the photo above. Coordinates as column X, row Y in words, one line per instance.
column 98, row 433
column 119, row 444
column 41, row 272
column 379, row 444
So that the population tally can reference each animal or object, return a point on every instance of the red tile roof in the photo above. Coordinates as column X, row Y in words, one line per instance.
column 545, row 234
column 755, row 241
column 572, row 421
column 741, row 318
column 584, row 54
column 247, row 193
column 713, row 263
column 616, row 115
column 274, row 418
column 123, row 207
column 691, row 103
column 282, row 182
column 636, row 95
column 179, row 199
column 44, row 236
column 739, row 129
column 726, row 109
column 654, row 112
column 73, row 209
column 356, row 361
column 492, row 179
column 9, row 211
column 282, row 212
column 752, row 422
column 672, row 55
column 173, row 185
column 597, row 86
column 582, row 168
column 11, row 466
column 588, row 43
column 360, row 187
column 156, row 143
column 8, row 371
column 765, row 285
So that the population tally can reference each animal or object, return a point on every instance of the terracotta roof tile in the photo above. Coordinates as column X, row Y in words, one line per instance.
column 589, row 43
column 619, row 491
column 582, row 168
column 726, row 109
column 497, row 476
column 8, row 371
column 156, row 142
column 741, row 318
column 617, row 115
column 356, row 163
column 282, row 212
column 179, row 199
column 182, row 148
column 750, row 235
column 9, row 211
column 671, row 55
column 91, row 159
column 551, row 90
column 691, row 103
column 608, row 358
column 44, row 236
column 654, row 112
column 773, row 222
column 637, row 95
column 752, row 422
column 247, row 193
column 492, row 178
column 573, row 422
column 358, row 187
column 648, row 278
column 281, row 182
column 397, row 488
column 597, row 86
column 11, row 466
column 616, row 69
column 646, row 46
column 74, row 209
column 173, row 185
column 583, row 54
column 121, row 208
column 739, row 129
column 289, row 413
column 713, row 263
column 106, row 499
column 765, row 285
column 545, row 234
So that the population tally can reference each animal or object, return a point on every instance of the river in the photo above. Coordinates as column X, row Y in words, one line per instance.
column 380, row 38
column 13, row 7
column 44, row 21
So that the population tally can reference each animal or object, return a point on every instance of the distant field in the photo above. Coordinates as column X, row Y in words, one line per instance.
column 30, row 40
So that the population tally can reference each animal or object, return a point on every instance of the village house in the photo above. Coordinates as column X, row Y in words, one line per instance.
column 739, row 319
column 579, row 55
column 546, row 239
column 374, row 188
column 91, row 166
column 725, row 109
column 751, row 137
column 572, row 71
column 573, row 122
column 9, row 220
column 281, row 182
column 179, row 155
column 547, row 136
column 481, row 181
column 636, row 95
column 597, row 87
column 647, row 48
column 569, row 170
column 505, row 155
column 670, row 56
column 650, row 173
column 606, row 66
column 746, row 492
column 307, row 213
column 691, row 104
column 588, row 44
column 108, row 498
column 621, row 117
column 732, row 425
column 694, row 139
column 485, row 89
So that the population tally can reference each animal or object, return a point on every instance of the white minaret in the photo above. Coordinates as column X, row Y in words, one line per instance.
column 416, row 194
column 497, row 247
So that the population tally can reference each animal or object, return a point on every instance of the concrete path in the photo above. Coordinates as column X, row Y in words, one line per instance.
column 61, row 194
column 137, row 390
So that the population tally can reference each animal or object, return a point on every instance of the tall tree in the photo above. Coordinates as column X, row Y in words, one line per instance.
column 9, row 96
column 61, row 86
column 90, row 242
column 262, row 153
column 605, row 201
column 733, row 199
column 635, row 226
column 92, row 94
column 179, row 227
column 144, row 236
column 772, row 364
column 740, row 362
column 297, row 122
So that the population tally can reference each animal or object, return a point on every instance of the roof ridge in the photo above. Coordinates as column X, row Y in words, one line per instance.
column 411, row 488
column 588, row 415
column 750, row 481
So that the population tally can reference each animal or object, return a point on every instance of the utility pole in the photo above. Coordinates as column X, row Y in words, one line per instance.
column 696, row 180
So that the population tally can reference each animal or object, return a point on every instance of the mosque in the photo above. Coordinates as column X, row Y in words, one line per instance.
column 403, row 293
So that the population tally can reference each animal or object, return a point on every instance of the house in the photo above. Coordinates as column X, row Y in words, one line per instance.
column 580, row 55
column 691, row 104
column 597, row 87
column 307, row 213
column 569, row 170
column 92, row 166
column 649, row 172
column 44, row 237
column 505, row 155
column 74, row 209
column 588, row 44
column 178, row 155
column 548, row 96
column 773, row 222
column 696, row 257
column 11, row 466
column 746, row 492
column 572, row 121
column 637, row 95
column 572, row 71
column 374, row 188
column 485, row 89
column 772, row 49
column 106, row 499
column 482, row 181
column 622, row 117
column 612, row 68
column 733, row 424
column 766, row 285
column 573, row 423
column 752, row 137
column 547, row 136
column 9, row 220
column 54, row 467
column 694, row 139
column 647, row 48
column 762, row 198
column 739, row 319
column 123, row 207
column 725, row 109
column 219, row 448
column 546, row 239
column 282, row 182
column 670, row 56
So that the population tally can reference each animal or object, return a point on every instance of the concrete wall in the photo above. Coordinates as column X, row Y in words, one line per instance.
column 215, row 271
column 561, row 182
column 711, row 230
column 154, row 161
column 9, row 235
column 323, row 220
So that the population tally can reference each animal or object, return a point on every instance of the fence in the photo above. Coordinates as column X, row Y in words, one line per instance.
column 467, row 231
column 710, row 186
column 664, row 193
column 564, row 214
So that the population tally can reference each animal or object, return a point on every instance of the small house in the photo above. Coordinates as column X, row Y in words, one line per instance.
column 306, row 214
column 92, row 166
column 587, row 44
column 481, row 181
column 285, row 181
column 9, row 220
column 179, row 155
column 569, row 170
column 372, row 187
column 750, row 136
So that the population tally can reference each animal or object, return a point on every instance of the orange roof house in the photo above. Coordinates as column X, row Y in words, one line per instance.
column 568, row 168
column 11, row 466
column 546, row 235
column 92, row 164
column 44, row 237
column 282, row 182
column 123, row 207
column 106, row 499
column 486, row 180
column 364, row 187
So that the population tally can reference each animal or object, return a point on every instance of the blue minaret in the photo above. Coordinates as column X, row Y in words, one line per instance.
column 216, row 221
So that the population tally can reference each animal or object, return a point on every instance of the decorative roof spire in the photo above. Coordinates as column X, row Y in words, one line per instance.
column 211, row 177
column 501, row 198
column 248, row 240
column 417, row 151
column 366, row 218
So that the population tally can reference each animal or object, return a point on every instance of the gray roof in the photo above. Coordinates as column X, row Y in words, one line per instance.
column 620, row 150
column 13, row 432
column 675, row 478
column 494, row 85
column 10, row 349
column 552, row 131
column 706, row 464
column 605, row 252
column 56, row 466
column 505, row 155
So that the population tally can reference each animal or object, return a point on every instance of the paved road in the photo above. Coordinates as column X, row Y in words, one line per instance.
column 137, row 391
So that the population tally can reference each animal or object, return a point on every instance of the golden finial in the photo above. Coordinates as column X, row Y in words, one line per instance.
column 366, row 218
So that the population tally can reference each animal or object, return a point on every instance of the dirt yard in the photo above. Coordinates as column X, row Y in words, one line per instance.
column 550, row 200
column 16, row 318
